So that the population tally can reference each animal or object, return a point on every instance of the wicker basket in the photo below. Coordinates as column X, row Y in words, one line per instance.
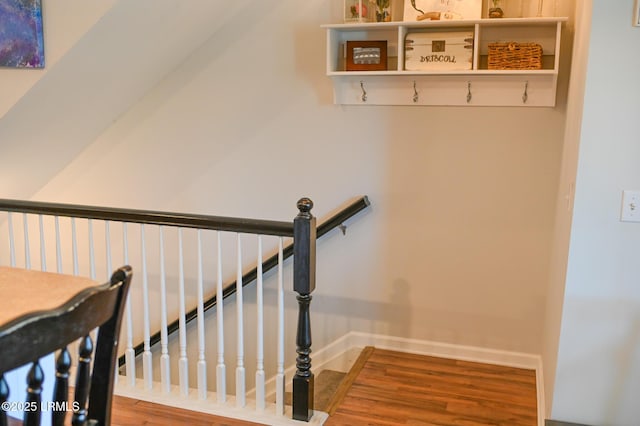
column 515, row 56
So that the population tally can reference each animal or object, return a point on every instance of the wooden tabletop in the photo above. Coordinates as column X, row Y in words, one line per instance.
column 23, row 291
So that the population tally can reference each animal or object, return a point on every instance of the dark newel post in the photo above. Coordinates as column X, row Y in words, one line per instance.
column 304, row 282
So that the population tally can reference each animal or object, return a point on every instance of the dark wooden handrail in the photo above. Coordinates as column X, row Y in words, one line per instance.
column 184, row 220
column 229, row 289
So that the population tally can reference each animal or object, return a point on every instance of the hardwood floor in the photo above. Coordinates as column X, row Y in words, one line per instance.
column 396, row 388
column 558, row 423
column 387, row 388
column 131, row 412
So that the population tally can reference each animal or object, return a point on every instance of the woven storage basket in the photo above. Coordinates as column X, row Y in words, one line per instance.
column 515, row 56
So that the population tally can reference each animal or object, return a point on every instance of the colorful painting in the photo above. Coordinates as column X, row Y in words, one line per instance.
column 21, row 38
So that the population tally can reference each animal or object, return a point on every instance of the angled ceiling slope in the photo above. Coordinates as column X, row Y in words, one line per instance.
column 127, row 52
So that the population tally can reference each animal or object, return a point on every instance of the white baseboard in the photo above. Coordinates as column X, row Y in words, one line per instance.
column 446, row 350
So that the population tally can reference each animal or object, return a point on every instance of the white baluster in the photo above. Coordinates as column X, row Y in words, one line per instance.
column 12, row 240
column 202, row 364
column 183, row 362
column 130, row 353
column 260, row 397
column 107, row 242
column 58, row 246
column 221, row 371
column 280, row 379
column 27, row 250
column 165, row 369
column 43, row 254
column 74, row 245
column 240, row 370
column 92, row 262
column 147, row 371
column 92, row 257
column 74, row 242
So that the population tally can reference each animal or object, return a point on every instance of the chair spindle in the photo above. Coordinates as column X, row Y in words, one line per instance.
column 61, row 387
column 34, row 391
column 83, row 379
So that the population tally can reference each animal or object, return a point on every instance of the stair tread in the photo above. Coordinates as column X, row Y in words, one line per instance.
column 326, row 384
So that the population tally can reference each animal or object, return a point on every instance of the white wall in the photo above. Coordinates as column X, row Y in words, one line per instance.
column 598, row 372
column 86, row 87
column 456, row 245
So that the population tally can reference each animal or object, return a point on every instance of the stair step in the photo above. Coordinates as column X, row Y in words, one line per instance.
column 330, row 386
column 326, row 385
column 348, row 380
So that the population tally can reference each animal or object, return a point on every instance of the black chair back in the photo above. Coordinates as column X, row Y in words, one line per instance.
column 25, row 340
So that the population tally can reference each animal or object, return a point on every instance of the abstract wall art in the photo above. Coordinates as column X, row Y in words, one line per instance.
column 21, row 38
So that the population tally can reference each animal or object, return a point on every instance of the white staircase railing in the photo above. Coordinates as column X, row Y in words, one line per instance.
column 179, row 261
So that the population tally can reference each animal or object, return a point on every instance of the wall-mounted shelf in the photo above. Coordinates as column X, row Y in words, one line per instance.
column 477, row 86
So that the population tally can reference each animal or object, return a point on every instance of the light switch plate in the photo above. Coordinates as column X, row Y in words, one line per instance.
column 630, row 206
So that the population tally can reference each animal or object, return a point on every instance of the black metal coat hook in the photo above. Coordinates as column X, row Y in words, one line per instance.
column 525, row 95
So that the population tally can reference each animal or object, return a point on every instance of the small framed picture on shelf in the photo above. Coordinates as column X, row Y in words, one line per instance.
column 367, row 55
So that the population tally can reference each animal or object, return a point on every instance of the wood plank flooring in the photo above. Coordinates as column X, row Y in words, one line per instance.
column 132, row 412
column 392, row 389
column 396, row 388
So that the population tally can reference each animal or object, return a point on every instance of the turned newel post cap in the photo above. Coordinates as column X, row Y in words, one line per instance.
column 305, row 205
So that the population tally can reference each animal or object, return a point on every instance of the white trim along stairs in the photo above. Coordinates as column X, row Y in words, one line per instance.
column 340, row 355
